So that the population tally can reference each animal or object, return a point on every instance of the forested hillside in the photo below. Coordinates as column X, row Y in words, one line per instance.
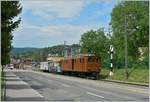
column 16, row 51
column 40, row 54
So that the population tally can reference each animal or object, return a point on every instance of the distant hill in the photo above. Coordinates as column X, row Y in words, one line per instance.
column 40, row 54
column 15, row 51
column 59, row 49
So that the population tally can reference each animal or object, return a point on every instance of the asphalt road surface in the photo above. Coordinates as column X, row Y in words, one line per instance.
column 65, row 88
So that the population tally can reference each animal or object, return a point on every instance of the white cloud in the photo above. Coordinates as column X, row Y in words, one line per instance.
column 51, row 9
column 30, row 33
column 51, row 34
column 66, row 29
column 66, row 32
column 54, row 8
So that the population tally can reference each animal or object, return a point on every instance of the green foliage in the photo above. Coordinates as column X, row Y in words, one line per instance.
column 16, row 50
column 58, row 49
column 136, row 27
column 9, row 10
column 97, row 43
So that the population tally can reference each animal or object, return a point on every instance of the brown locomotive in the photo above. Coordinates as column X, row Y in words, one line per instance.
column 85, row 65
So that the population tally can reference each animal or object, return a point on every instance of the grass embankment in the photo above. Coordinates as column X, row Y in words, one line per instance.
column 3, row 85
column 36, row 68
column 136, row 75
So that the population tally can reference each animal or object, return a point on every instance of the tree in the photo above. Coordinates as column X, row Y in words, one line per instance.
column 136, row 14
column 95, row 42
column 9, row 10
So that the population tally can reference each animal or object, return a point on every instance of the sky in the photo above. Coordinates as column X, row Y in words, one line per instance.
column 46, row 23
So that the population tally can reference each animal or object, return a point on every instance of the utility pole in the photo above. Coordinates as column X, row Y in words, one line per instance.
column 79, row 49
column 126, row 48
column 126, row 33
column 65, row 49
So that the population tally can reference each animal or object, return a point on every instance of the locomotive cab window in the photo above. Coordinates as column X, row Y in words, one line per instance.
column 91, row 59
column 97, row 60
column 83, row 59
column 80, row 60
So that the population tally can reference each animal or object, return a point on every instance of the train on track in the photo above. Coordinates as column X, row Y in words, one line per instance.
column 84, row 65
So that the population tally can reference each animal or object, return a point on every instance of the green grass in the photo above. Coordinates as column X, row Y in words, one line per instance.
column 140, row 75
column 37, row 68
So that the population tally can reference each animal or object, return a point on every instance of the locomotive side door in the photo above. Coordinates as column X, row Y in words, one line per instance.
column 83, row 64
column 72, row 64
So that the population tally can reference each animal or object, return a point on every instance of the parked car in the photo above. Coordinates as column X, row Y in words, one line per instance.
column 10, row 66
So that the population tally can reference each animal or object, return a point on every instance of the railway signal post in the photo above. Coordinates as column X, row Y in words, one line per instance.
column 111, row 51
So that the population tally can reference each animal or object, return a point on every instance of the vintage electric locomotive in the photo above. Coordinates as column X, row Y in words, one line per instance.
column 87, row 65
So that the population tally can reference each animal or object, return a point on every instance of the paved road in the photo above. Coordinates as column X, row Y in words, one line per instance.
column 64, row 88
column 19, row 90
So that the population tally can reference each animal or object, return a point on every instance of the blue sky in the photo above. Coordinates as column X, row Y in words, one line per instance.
column 51, row 22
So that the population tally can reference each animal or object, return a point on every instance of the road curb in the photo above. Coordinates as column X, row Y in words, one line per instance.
column 126, row 82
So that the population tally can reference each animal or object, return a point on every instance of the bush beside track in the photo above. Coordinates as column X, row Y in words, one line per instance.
column 138, row 75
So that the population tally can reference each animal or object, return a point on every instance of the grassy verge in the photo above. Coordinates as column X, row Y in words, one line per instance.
column 36, row 68
column 3, row 86
column 136, row 75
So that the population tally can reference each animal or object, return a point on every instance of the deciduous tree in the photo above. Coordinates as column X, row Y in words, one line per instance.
column 9, row 10
column 131, row 18
column 95, row 42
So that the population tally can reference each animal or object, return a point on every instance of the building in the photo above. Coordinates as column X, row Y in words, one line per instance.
column 54, row 58
column 142, row 52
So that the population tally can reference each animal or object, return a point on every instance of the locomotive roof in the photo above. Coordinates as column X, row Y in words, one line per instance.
column 84, row 55
column 80, row 56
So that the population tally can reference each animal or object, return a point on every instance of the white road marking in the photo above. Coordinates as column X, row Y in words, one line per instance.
column 65, row 85
column 89, row 88
column 37, row 93
column 93, row 94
